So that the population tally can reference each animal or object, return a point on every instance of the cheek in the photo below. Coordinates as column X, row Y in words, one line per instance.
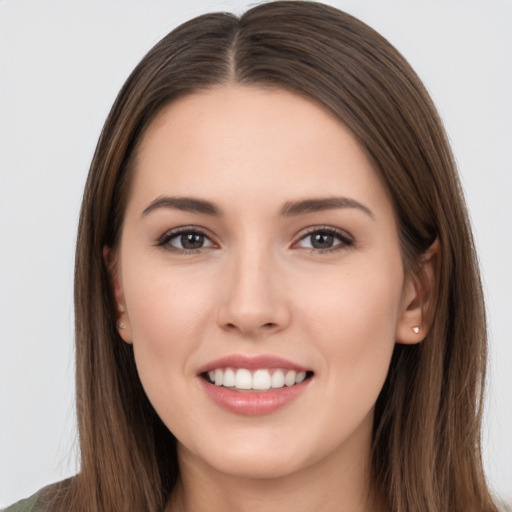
column 359, row 302
column 353, row 324
column 169, row 317
column 168, row 314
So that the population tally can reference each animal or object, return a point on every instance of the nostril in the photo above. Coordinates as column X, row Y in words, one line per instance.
column 268, row 325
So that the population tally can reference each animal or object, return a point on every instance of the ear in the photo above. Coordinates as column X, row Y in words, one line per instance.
column 122, row 320
column 418, row 298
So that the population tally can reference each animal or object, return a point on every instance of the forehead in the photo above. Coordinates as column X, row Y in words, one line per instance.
column 251, row 143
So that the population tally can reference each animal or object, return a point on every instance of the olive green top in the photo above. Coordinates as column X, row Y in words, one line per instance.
column 41, row 500
column 27, row 505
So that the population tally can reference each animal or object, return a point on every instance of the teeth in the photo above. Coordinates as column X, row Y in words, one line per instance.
column 289, row 379
column 261, row 379
column 278, row 379
column 229, row 378
column 243, row 379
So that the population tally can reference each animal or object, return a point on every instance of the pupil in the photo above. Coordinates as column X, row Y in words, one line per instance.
column 322, row 240
column 192, row 241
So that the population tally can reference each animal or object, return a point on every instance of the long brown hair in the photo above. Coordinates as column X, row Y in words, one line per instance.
column 426, row 451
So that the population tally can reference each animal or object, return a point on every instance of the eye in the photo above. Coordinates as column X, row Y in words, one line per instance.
column 185, row 240
column 325, row 239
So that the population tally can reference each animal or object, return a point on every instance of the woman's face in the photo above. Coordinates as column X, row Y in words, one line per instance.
column 260, row 280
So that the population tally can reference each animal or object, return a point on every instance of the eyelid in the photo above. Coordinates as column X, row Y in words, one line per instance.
column 345, row 239
column 163, row 240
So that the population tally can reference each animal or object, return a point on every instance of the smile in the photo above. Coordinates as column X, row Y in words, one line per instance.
column 253, row 385
column 262, row 379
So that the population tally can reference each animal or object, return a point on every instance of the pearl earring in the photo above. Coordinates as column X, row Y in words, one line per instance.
column 416, row 330
column 120, row 326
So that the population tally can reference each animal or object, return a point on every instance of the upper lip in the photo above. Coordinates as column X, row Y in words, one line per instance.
column 251, row 363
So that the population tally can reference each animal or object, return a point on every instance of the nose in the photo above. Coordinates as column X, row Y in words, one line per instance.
column 253, row 296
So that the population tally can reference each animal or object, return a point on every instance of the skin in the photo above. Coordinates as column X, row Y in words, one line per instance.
column 258, row 286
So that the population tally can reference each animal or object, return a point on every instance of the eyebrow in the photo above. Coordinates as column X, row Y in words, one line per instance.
column 293, row 208
column 185, row 204
column 290, row 208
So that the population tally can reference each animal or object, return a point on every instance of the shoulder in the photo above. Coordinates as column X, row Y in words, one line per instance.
column 41, row 501
column 27, row 505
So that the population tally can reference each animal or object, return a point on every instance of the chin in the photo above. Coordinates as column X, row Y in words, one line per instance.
column 249, row 457
column 259, row 467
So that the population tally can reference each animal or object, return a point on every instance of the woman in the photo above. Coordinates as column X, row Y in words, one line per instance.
column 277, row 300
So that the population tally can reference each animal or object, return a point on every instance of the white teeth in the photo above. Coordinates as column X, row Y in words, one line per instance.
column 229, row 378
column 261, row 379
column 300, row 377
column 278, row 379
column 243, row 379
column 289, row 379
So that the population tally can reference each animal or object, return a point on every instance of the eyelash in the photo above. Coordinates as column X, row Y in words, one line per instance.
column 343, row 237
column 164, row 240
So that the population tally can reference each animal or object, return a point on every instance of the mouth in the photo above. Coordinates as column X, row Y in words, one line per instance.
column 261, row 379
column 252, row 386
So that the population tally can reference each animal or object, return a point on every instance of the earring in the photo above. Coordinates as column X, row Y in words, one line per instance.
column 416, row 330
column 120, row 326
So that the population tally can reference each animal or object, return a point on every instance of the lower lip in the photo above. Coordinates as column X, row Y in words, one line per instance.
column 253, row 403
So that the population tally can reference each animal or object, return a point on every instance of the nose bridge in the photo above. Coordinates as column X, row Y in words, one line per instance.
column 253, row 299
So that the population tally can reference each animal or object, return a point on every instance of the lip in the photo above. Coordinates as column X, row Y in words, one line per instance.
column 252, row 403
column 252, row 363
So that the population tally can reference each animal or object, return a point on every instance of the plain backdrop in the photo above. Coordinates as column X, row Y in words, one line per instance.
column 61, row 65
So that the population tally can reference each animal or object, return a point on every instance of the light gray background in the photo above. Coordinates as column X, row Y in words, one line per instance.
column 61, row 65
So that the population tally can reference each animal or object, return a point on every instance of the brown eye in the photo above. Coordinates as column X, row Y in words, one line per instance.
column 321, row 240
column 326, row 239
column 185, row 240
column 191, row 241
